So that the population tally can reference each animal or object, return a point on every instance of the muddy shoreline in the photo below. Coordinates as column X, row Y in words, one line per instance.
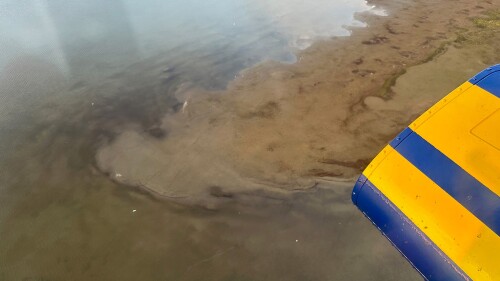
column 281, row 127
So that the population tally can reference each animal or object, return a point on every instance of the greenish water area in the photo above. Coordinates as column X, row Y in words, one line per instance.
column 73, row 74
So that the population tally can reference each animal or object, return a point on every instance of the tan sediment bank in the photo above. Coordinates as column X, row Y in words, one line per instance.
column 281, row 127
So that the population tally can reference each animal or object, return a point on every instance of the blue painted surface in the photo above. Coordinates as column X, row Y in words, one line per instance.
column 424, row 255
column 478, row 77
column 491, row 83
column 464, row 188
column 399, row 138
column 357, row 188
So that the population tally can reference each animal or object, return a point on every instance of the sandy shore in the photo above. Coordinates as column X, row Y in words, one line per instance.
column 280, row 127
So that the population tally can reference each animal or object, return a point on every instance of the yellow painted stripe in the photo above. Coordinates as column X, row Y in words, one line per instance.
column 448, row 128
column 440, row 104
column 458, row 233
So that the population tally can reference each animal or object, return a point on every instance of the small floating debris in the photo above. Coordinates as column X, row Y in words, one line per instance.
column 134, row 210
column 167, row 69
column 296, row 240
column 118, row 175
column 184, row 105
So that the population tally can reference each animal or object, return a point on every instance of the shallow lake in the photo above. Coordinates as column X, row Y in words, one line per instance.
column 73, row 73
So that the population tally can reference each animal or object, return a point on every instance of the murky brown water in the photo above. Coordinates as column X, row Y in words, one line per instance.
column 86, row 228
column 62, row 219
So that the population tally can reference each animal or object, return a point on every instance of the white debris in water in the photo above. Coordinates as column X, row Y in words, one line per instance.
column 118, row 175
column 134, row 210
column 296, row 240
column 378, row 12
column 184, row 106
column 92, row 104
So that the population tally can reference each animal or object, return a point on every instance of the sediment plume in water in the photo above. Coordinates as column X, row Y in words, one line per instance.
column 62, row 218
column 280, row 127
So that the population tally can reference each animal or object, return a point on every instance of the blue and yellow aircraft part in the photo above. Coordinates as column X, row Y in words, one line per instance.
column 434, row 191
